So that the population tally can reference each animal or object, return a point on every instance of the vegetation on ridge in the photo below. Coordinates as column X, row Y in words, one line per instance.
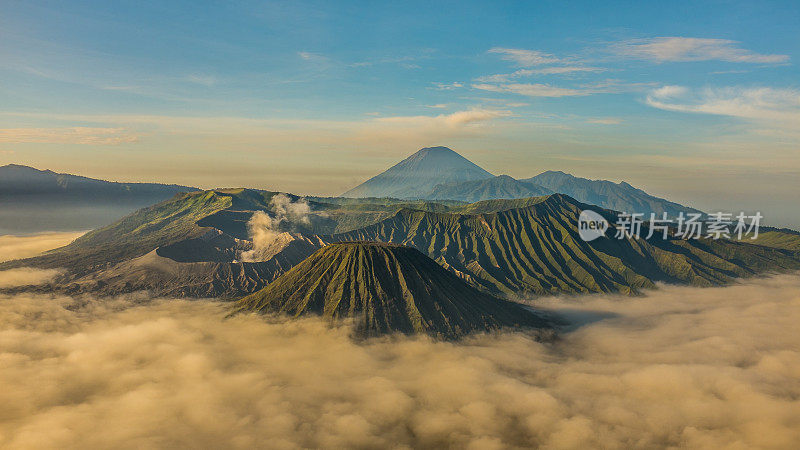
column 386, row 288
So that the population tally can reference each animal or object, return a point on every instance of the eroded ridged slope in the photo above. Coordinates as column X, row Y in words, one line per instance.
column 536, row 249
column 386, row 288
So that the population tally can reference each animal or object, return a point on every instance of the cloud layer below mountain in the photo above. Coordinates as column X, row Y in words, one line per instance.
column 14, row 247
column 703, row 368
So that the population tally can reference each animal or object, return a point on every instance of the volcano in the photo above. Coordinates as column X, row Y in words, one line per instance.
column 386, row 289
column 416, row 175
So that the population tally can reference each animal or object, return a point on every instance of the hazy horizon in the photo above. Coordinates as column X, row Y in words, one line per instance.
column 313, row 99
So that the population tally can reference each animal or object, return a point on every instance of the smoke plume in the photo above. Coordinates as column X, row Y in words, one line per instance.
column 264, row 229
column 679, row 367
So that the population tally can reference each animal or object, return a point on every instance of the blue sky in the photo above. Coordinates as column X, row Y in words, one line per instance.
column 695, row 101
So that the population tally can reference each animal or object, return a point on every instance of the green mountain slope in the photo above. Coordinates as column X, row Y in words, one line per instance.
column 779, row 238
column 134, row 235
column 191, row 245
column 194, row 245
column 492, row 206
column 536, row 250
column 184, row 218
column 386, row 289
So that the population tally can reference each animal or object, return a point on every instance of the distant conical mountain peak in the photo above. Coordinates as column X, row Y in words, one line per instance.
column 437, row 149
column 416, row 175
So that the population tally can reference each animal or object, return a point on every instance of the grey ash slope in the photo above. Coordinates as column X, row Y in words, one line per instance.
column 186, row 246
column 416, row 175
column 386, row 289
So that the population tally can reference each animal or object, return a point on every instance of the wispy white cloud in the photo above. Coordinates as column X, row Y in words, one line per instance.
column 525, row 58
column 67, row 135
column 532, row 90
column 608, row 86
column 406, row 61
column 605, row 121
column 776, row 106
column 456, row 119
column 559, row 70
column 448, row 86
column 680, row 49
column 724, row 72
column 205, row 80
column 497, row 78
column 668, row 92
column 310, row 56
column 125, row 88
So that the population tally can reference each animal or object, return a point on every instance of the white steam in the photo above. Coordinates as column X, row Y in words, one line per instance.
column 680, row 367
column 285, row 209
column 263, row 228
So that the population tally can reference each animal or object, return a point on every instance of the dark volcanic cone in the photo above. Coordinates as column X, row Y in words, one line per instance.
column 387, row 288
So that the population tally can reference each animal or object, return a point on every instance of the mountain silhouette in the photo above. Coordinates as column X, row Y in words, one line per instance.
column 34, row 200
column 616, row 196
column 416, row 175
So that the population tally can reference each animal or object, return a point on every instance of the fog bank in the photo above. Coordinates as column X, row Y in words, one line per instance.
column 15, row 247
column 704, row 368
column 26, row 276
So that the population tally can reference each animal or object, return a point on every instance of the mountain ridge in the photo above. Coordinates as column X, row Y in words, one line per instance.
column 536, row 250
column 506, row 247
column 441, row 174
column 34, row 200
column 616, row 196
column 14, row 176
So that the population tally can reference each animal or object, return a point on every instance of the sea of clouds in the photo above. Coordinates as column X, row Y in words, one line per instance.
column 15, row 247
column 679, row 367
